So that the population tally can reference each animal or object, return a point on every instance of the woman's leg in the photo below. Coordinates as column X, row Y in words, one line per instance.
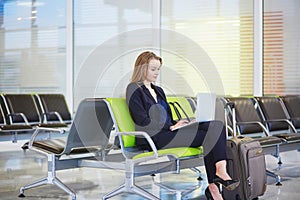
column 215, row 141
column 218, row 152
column 210, row 167
column 212, row 136
column 214, row 146
column 215, row 160
column 221, row 170
column 215, row 191
column 215, row 155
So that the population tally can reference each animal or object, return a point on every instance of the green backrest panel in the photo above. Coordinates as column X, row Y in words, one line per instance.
column 184, row 104
column 124, row 120
column 179, row 152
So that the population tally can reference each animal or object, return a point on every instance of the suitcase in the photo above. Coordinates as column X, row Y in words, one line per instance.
column 246, row 162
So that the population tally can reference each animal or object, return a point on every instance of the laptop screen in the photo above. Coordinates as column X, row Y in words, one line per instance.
column 206, row 106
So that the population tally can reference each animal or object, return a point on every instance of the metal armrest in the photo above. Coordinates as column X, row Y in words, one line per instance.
column 53, row 113
column 149, row 140
column 265, row 130
column 18, row 114
column 284, row 120
column 37, row 131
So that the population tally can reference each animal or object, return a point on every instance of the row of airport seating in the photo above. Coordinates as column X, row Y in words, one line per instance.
column 22, row 113
column 272, row 120
column 257, row 117
column 267, row 119
column 96, row 119
column 88, row 144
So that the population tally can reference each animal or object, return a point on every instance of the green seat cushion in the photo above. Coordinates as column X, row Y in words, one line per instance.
column 179, row 152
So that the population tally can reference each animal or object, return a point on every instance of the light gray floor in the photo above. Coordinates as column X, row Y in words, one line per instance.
column 18, row 169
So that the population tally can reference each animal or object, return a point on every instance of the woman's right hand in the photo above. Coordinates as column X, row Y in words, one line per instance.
column 180, row 123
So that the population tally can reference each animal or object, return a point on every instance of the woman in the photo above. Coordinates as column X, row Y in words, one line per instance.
column 151, row 113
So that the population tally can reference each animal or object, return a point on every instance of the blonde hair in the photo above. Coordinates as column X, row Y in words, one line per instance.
column 141, row 66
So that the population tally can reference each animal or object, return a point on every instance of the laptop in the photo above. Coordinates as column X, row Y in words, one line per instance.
column 205, row 109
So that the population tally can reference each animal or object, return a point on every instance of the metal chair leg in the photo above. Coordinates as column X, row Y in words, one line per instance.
column 115, row 192
column 182, row 193
column 143, row 192
column 132, row 189
column 277, row 155
column 65, row 188
column 37, row 183
column 277, row 177
column 50, row 179
column 129, row 186
column 195, row 169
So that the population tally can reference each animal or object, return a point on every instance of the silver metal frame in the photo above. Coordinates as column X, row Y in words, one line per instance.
column 66, row 159
column 52, row 167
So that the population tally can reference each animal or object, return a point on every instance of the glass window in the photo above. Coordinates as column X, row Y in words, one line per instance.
column 209, row 47
column 281, row 47
column 108, row 36
column 32, row 46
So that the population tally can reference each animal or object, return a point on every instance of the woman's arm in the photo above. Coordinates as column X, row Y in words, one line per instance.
column 137, row 110
column 147, row 115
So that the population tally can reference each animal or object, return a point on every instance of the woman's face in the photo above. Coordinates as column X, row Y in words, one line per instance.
column 153, row 70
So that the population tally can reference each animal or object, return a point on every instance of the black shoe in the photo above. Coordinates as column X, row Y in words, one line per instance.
column 208, row 194
column 227, row 184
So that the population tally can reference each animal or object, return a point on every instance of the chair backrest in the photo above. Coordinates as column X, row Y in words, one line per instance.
column 292, row 106
column 49, row 103
column 91, row 126
column 193, row 103
column 21, row 103
column 245, row 112
column 184, row 103
column 123, row 120
column 271, row 109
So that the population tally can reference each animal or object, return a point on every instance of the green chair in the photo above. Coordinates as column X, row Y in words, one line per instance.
column 185, row 111
column 139, row 163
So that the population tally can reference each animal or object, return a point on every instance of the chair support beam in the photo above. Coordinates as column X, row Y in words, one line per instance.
column 129, row 185
column 51, row 179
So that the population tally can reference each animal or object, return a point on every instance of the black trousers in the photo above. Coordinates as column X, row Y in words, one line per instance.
column 211, row 135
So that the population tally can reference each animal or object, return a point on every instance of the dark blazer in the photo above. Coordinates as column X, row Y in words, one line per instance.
column 148, row 115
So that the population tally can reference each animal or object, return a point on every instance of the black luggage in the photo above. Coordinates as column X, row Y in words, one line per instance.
column 246, row 162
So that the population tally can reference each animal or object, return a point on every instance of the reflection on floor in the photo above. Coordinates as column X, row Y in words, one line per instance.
column 18, row 169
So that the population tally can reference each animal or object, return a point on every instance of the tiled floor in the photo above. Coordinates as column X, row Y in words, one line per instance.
column 18, row 169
